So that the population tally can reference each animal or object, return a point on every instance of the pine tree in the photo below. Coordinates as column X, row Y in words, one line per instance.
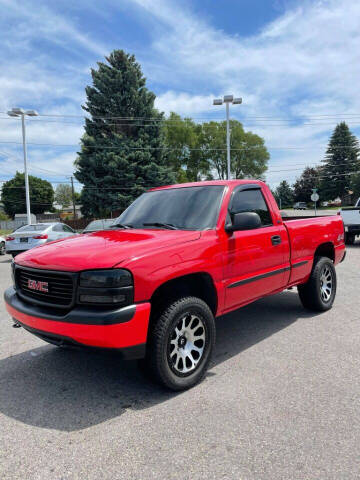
column 122, row 149
column 304, row 185
column 284, row 194
column 342, row 157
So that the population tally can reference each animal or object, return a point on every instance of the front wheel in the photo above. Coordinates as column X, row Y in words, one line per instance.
column 181, row 343
column 318, row 293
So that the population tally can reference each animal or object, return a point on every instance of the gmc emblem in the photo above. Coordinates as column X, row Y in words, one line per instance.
column 39, row 286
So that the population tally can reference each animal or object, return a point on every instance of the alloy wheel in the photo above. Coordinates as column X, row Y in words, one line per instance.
column 186, row 345
column 326, row 284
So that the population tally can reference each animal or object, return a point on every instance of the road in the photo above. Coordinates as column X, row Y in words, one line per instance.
column 281, row 401
column 302, row 213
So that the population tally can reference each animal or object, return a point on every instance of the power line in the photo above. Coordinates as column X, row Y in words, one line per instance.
column 203, row 149
column 300, row 115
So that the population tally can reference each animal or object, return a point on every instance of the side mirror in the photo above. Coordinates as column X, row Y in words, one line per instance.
column 244, row 221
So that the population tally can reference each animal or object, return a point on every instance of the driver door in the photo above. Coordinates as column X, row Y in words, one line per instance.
column 254, row 260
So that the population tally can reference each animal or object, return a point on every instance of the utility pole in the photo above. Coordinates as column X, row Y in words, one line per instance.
column 19, row 112
column 73, row 196
column 227, row 100
column 228, row 140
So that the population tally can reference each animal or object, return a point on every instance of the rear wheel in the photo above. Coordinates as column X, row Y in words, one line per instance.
column 318, row 293
column 2, row 248
column 181, row 343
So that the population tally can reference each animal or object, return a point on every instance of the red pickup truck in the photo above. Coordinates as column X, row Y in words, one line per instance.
column 151, row 285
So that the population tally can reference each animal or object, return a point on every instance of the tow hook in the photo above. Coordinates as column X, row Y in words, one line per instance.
column 16, row 325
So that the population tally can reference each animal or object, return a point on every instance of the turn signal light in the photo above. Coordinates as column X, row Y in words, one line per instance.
column 40, row 237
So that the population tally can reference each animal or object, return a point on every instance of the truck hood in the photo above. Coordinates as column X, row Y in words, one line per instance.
column 103, row 249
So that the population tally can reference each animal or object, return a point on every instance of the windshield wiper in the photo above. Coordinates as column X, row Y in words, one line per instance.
column 121, row 225
column 169, row 226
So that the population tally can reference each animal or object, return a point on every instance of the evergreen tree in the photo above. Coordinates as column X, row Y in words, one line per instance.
column 13, row 195
column 303, row 187
column 122, row 149
column 284, row 194
column 342, row 157
column 355, row 185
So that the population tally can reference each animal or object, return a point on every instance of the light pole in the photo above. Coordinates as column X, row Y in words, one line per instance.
column 19, row 112
column 227, row 100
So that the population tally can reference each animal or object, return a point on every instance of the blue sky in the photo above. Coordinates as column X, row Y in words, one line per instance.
column 295, row 63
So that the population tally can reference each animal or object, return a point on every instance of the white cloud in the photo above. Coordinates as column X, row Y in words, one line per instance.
column 183, row 103
column 40, row 21
column 304, row 63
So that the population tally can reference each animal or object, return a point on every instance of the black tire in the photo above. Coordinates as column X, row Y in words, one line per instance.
column 2, row 248
column 13, row 255
column 166, row 332
column 318, row 294
column 349, row 239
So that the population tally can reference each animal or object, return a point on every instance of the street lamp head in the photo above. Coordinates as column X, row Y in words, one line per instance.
column 228, row 98
column 237, row 101
column 18, row 111
column 31, row 113
column 12, row 114
column 217, row 101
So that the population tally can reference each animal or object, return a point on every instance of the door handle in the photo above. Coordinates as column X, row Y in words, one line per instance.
column 276, row 239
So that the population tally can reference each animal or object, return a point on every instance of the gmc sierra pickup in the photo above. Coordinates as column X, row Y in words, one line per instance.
column 179, row 256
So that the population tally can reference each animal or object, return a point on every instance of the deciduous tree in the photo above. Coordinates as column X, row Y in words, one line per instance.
column 13, row 195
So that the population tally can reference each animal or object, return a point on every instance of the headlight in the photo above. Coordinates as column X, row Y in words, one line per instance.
column 106, row 278
column 106, row 287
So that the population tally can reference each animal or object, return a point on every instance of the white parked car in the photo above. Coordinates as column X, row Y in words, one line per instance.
column 30, row 236
column 2, row 245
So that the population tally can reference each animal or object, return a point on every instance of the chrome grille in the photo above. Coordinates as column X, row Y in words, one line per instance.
column 60, row 286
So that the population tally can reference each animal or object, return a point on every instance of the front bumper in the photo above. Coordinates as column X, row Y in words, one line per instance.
column 124, row 329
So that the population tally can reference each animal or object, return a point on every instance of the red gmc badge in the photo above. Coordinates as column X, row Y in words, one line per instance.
column 37, row 285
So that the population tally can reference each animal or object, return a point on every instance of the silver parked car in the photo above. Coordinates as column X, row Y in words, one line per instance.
column 98, row 225
column 2, row 245
column 30, row 236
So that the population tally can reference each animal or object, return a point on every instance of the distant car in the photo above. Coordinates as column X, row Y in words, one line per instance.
column 300, row 206
column 98, row 225
column 30, row 236
column 2, row 246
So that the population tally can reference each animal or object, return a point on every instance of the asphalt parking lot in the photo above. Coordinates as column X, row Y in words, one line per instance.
column 281, row 401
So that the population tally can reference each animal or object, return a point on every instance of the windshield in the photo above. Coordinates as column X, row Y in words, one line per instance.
column 188, row 208
column 32, row 228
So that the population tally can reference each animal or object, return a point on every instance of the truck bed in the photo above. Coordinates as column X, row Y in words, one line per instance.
column 287, row 218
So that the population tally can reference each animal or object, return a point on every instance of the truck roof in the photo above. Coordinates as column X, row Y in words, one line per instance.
column 210, row 182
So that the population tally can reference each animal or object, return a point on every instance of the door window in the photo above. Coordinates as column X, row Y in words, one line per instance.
column 251, row 201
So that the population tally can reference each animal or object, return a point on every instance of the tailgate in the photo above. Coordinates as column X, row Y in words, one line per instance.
column 350, row 215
